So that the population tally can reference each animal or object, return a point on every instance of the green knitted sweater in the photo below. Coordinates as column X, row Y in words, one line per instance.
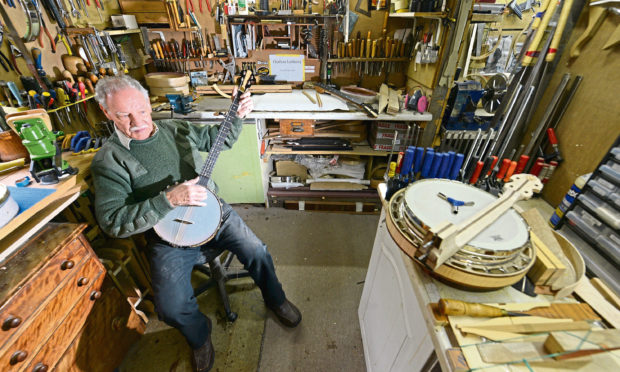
column 130, row 184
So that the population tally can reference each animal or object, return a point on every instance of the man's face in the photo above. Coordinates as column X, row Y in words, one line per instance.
column 131, row 113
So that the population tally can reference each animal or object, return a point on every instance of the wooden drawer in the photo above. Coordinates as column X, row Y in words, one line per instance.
column 32, row 294
column 64, row 335
column 110, row 330
column 38, row 328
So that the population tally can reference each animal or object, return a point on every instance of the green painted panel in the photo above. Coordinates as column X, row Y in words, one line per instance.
column 237, row 172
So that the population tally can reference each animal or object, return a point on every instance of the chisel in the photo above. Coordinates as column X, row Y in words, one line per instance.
column 462, row 308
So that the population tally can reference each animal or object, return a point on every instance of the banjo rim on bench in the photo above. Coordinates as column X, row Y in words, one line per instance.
column 477, row 265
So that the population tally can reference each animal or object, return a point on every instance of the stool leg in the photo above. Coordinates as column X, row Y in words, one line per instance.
column 220, row 279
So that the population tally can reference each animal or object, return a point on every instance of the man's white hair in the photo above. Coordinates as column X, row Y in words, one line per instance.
column 112, row 84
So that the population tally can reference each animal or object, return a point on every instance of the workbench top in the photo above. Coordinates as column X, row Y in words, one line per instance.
column 28, row 222
column 213, row 108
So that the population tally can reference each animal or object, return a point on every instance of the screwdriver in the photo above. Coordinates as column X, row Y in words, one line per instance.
column 457, row 307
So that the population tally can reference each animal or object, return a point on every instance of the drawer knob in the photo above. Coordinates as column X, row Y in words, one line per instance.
column 83, row 281
column 18, row 357
column 40, row 367
column 11, row 322
column 67, row 265
column 94, row 295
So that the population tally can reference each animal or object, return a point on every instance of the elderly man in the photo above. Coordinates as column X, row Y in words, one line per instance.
column 144, row 171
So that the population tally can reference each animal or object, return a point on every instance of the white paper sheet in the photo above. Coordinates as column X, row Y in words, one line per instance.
column 296, row 101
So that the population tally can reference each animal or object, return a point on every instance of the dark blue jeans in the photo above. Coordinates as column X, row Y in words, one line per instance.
column 171, row 269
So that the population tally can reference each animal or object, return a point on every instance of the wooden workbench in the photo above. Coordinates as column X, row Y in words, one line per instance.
column 28, row 222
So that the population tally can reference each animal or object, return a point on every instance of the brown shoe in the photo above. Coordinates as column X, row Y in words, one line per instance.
column 288, row 314
column 205, row 355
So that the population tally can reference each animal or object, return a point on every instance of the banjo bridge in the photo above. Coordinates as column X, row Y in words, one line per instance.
column 183, row 221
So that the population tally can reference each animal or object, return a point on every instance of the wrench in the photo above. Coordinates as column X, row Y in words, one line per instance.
column 74, row 11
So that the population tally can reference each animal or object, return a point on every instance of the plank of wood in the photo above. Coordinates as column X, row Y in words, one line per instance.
column 609, row 294
column 578, row 344
column 545, row 240
column 594, row 298
column 505, row 352
column 543, row 268
column 531, row 324
column 491, row 334
column 575, row 311
column 393, row 106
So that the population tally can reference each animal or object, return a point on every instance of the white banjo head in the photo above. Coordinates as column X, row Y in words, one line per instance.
column 422, row 201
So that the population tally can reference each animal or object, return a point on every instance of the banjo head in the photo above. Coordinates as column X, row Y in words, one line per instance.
column 497, row 257
column 188, row 226
column 425, row 207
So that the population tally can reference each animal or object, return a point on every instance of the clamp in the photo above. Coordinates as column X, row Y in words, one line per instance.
column 23, row 182
column 230, row 70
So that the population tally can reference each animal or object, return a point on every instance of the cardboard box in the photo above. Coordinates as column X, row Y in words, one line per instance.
column 127, row 21
column 291, row 168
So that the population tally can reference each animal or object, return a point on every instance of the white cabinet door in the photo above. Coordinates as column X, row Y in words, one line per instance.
column 394, row 334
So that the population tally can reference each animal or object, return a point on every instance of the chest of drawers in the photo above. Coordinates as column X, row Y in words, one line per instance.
column 48, row 288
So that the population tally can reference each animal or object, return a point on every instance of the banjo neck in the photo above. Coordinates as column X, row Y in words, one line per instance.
column 225, row 128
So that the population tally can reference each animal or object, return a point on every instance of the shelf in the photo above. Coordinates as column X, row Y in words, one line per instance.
column 377, row 59
column 168, row 29
column 432, row 15
column 357, row 150
column 278, row 16
column 123, row 32
column 482, row 17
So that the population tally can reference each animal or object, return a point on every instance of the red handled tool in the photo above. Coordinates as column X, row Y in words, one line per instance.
column 553, row 140
column 522, row 163
column 511, row 170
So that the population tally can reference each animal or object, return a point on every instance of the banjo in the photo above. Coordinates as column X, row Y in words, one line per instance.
column 191, row 226
column 463, row 235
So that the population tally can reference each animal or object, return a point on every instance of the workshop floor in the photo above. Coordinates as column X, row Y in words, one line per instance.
column 321, row 260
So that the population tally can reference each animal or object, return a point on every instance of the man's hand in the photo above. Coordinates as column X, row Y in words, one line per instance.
column 187, row 193
column 246, row 105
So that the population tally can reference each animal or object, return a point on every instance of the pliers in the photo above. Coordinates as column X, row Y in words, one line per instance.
column 10, row 3
column 5, row 62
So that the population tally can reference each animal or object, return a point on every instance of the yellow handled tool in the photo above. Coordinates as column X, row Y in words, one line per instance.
column 555, row 42
column 528, row 59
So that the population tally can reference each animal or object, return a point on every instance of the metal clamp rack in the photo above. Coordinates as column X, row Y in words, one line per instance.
column 595, row 217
